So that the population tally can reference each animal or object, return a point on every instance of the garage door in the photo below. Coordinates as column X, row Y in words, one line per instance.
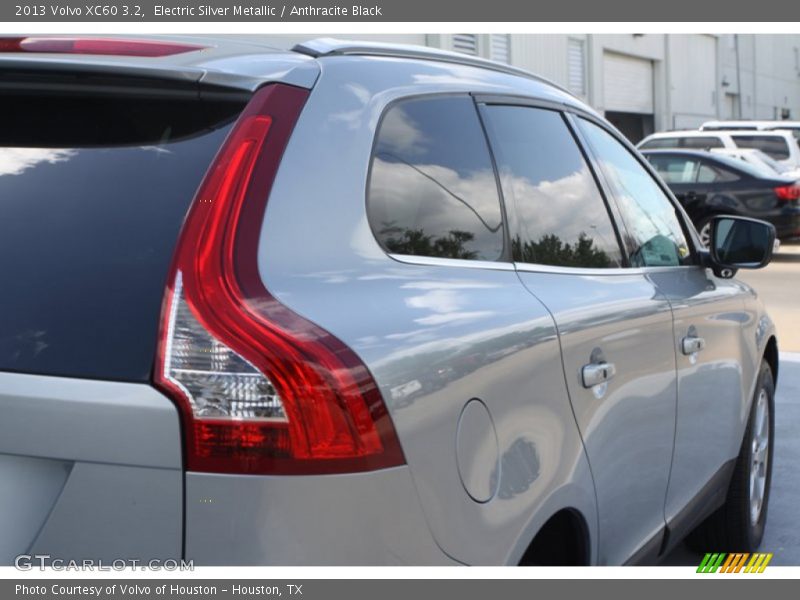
column 627, row 84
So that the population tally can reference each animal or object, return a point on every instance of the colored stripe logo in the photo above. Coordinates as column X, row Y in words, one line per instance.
column 737, row 562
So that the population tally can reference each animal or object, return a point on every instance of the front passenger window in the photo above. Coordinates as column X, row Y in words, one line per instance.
column 654, row 235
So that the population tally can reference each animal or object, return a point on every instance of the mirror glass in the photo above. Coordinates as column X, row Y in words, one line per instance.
column 742, row 243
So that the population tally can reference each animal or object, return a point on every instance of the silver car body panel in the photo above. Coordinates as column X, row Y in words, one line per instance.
column 628, row 422
column 359, row 519
column 459, row 333
column 91, row 469
column 713, row 389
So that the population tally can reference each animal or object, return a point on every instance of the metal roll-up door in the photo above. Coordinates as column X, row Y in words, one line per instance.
column 627, row 84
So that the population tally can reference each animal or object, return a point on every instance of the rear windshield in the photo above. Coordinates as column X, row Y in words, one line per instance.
column 772, row 145
column 93, row 191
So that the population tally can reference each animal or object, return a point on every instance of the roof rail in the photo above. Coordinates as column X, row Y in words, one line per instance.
column 333, row 47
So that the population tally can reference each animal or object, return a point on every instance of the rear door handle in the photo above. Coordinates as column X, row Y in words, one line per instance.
column 692, row 344
column 595, row 374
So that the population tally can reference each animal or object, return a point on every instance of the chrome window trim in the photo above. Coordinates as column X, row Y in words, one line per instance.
column 434, row 261
column 558, row 270
column 431, row 261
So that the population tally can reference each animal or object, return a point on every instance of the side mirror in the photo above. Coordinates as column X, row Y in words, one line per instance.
column 739, row 243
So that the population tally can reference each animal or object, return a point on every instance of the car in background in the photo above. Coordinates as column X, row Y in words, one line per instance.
column 760, row 160
column 780, row 145
column 793, row 126
column 708, row 185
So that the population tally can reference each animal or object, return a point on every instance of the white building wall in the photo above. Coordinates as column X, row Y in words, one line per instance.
column 693, row 80
column 649, row 47
column 545, row 55
column 777, row 76
column 695, row 77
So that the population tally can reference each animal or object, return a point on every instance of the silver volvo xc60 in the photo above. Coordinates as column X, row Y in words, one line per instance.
column 356, row 304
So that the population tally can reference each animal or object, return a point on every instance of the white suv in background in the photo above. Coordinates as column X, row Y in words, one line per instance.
column 780, row 145
column 793, row 126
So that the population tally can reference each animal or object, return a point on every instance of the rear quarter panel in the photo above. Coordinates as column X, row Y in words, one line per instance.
column 434, row 336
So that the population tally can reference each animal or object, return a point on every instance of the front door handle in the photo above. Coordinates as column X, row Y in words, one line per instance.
column 597, row 373
column 692, row 344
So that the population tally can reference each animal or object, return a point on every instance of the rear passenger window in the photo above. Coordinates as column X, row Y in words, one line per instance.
column 432, row 189
column 773, row 145
column 674, row 169
column 701, row 143
column 560, row 217
column 661, row 143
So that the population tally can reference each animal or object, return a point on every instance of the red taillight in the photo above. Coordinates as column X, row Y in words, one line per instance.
column 788, row 192
column 111, row 47
column 261, row 389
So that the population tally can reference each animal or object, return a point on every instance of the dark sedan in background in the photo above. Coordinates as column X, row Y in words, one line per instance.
column 708, row 185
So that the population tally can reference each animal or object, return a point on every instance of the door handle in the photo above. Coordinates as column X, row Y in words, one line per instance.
column 597, row 373
column 692, row 344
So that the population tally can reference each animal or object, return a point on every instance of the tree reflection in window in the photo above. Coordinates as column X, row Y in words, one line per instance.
column 399, row 240
column 559, row 217
column 551, row 250
column 432, row 189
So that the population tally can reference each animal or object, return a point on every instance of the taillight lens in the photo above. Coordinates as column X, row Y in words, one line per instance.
column 262, row 389
column 109, row 47
column 788, row 192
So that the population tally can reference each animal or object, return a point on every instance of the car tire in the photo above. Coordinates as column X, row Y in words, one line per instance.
column 703, row 227
column 738, row 525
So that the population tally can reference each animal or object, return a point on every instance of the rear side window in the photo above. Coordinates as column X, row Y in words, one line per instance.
column 561, row 218
column 693, row 143
column 659, row 143
column 432, row 189
column 701, row 143
column 678, row 169
column 772, row 145
column 93, row 191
